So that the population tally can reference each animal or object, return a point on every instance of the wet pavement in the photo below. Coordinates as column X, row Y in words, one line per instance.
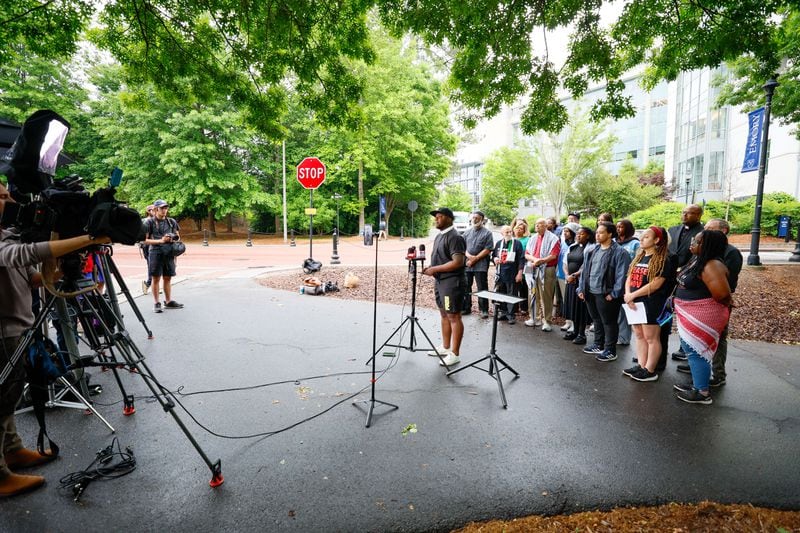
column 577, row 434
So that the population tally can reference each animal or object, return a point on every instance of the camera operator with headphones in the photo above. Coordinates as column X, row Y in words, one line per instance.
column 17, row 278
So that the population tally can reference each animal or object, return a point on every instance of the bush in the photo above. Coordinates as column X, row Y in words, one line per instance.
column 739, row 214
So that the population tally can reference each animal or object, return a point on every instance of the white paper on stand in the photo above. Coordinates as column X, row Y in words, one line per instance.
column 635, row 316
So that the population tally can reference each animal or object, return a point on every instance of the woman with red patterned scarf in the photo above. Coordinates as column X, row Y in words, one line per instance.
column 702, row 305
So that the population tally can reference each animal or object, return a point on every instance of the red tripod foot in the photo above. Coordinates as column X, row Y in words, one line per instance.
column 216, row 478
column 127, row 407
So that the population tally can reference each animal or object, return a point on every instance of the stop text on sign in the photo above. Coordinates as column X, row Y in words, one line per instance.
column 311, row 172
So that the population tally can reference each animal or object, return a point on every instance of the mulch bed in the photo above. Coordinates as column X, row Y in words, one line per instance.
column 767, row 299
column 673, row 517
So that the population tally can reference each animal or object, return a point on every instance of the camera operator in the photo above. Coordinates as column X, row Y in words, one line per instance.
column 17, row 278
column 160, row 232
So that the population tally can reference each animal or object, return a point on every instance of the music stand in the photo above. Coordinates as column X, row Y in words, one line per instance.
column 495, row 361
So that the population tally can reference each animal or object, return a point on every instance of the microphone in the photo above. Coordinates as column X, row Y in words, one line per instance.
column 421, row 254
column 412, row 253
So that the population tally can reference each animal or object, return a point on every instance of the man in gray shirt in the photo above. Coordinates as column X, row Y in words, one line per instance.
column 479, row 246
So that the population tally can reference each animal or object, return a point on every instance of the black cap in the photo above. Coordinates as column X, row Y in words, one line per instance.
column 443, row 210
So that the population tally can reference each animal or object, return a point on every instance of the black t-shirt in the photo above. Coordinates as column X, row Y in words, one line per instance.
column 575, row 258
column 640, row 276
column 445, row 246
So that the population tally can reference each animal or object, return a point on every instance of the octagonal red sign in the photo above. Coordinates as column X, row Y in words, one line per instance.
column 311, row 172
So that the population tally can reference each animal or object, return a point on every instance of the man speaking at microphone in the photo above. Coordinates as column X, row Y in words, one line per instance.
column 447, row 267
column 17, row 278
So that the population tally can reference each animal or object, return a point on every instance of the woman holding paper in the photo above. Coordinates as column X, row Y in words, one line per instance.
column 650, row 280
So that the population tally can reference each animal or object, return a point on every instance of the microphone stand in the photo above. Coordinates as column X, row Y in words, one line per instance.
column 372, row 401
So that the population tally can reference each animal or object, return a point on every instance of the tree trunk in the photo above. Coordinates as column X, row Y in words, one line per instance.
column 198, row 223
column 229, row 222
column 361, row 196
column 212, row 228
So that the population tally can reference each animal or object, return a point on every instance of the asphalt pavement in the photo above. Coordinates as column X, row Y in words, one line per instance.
column 577, row 434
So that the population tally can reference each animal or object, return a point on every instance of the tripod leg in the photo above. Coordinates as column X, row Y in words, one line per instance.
column 85, row 402
column 135, row 359
column 112, row 267
column 71, row 343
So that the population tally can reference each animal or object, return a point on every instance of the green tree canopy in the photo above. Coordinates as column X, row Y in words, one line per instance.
column 456, row 198
column 252, row 51
column 508, row 177
column 749, row 73
column 575, row 155
column 619, row 195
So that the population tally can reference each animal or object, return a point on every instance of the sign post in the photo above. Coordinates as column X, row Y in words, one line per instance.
column 311, row 174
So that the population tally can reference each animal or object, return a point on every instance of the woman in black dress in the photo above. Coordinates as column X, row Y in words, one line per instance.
column 579, row 315
column 651, row 277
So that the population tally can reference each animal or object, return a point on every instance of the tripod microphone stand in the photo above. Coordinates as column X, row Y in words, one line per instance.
column 372, row 401
column 411, row 318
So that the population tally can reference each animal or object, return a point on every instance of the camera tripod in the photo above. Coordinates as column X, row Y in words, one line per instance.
column 105, row 333
column 412, row 319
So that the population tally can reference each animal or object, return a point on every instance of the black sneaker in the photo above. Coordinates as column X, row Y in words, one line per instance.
column 484, row 314
column 570, row 336
column 694, row 396
column 717, row 382
column 606, row 356
column 593, row 349
column 632, row 370
column 683, row 387
column 511, row 320
column 172, row 305
column 634, row 359
column 645, row 375
column 580, row 340
column 679, row 356
column 157, row 307
column 685, row 369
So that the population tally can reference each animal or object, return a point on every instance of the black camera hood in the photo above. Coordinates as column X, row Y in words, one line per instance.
column 31, row 162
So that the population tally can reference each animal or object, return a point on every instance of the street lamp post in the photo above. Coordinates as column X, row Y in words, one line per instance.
column 755, row 233
column 335, row 254
column 687, row 191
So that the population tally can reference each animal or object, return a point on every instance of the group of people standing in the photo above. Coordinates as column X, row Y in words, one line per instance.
column 688, row 271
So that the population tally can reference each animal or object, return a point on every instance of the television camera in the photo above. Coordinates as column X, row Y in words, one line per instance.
column 46, row 206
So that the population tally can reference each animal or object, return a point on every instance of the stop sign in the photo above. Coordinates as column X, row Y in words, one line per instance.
column 311, row 172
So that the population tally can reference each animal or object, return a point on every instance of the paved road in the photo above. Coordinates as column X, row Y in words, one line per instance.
column 577, row 434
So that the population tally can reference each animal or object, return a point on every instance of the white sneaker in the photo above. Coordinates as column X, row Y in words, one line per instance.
column 567, row 326
column 145, row 287
column 591, row 328
column 441, row 350
column 450, row 360
column 537, row 322
column 530, row 322
column 546, row 327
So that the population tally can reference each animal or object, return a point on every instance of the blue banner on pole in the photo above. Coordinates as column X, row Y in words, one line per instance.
column 752, row 151
column 382, row 206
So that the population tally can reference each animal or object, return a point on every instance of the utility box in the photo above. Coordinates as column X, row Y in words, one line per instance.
column 785, row 227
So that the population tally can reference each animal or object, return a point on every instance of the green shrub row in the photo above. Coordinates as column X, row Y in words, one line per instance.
column 739, row 214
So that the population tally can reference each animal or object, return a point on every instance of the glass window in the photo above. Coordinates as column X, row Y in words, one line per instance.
column 716, row 170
